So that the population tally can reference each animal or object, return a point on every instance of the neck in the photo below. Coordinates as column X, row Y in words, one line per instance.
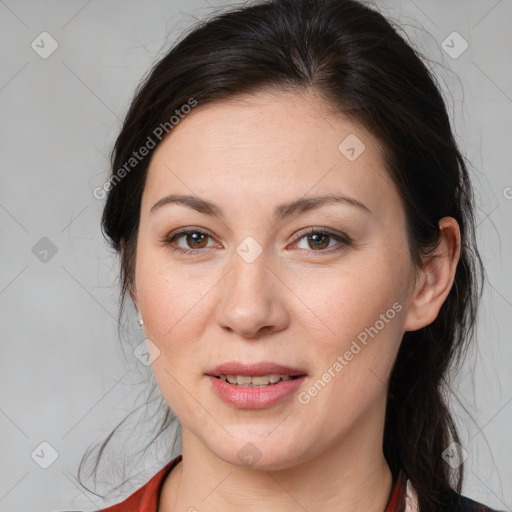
column 351, row 477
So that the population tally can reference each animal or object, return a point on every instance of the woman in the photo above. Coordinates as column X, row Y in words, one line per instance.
column 295, row 225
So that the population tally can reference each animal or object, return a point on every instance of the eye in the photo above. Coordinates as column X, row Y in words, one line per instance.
column 196, row 239
column 320, row 238
column 317, row 238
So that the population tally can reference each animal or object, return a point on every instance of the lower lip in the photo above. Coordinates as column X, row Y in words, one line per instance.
column 252, row 397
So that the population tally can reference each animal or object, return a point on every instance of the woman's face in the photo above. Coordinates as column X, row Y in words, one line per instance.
column 255, row 288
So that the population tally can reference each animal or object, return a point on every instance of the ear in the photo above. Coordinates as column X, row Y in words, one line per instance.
column 437, row 276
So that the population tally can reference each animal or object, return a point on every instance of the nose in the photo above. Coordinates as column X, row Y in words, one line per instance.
column 252, row 299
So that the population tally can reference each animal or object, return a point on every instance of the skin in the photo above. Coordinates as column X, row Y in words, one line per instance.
column 300, row 303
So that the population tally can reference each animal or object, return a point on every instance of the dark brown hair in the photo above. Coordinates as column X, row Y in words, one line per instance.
column 355, row 59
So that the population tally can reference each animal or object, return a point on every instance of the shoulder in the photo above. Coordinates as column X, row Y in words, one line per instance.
column 455, row 502
column 146, row 497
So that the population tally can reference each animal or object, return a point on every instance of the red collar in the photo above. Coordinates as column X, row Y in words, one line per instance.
column 396, row 502
column 146, row 498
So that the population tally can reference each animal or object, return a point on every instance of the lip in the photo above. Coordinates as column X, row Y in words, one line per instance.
column 254, row 369
column 245, row 397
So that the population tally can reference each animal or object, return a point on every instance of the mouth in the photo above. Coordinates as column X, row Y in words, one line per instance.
column 255, row 386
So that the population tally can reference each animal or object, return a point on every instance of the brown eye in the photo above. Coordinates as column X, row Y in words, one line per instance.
column 196, row 240
column 319, row 240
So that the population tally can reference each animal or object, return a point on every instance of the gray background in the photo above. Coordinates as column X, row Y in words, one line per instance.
column 64, row 376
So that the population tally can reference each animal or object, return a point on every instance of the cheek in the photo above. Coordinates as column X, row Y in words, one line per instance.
column 355, row 332
column 174, row 310
column 171, row 297
column 342, row 303
column 173, row 307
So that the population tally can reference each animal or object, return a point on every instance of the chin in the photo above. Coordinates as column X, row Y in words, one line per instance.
column 260, row 452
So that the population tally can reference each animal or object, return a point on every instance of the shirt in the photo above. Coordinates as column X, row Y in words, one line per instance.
column 402, row 497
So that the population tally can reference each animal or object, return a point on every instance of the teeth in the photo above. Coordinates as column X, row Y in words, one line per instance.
column 256, row 381
column 243, row 379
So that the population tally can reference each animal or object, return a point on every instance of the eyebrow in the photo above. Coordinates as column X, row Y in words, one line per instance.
column 280, row 213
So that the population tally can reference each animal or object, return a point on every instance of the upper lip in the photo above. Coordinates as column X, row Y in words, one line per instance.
column 254, row 369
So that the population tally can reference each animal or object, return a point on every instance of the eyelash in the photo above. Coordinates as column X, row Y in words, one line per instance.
column 344, row 239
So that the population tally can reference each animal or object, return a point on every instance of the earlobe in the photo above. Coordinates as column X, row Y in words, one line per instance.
column 437, row 276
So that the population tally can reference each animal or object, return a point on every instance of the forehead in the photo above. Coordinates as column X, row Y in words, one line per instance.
column 278, row 143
